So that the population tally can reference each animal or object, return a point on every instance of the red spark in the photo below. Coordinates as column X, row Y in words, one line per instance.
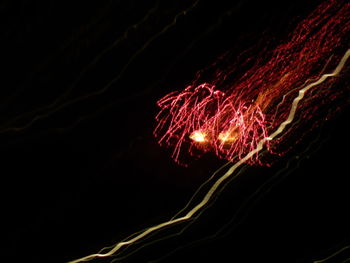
column 230, row 116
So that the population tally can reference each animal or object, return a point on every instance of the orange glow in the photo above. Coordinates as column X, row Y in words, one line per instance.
column 227, row 137
column 198, row 136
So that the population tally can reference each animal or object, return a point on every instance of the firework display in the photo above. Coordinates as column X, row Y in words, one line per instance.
column 229, row 116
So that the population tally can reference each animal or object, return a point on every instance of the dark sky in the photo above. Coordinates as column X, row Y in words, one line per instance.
column 80, row 168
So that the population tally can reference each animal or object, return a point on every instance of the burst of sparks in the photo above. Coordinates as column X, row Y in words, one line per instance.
column 238, row 118
column 134, row 238
column 230, row 116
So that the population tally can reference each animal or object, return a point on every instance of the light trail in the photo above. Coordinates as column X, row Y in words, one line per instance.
column 201, row 205
column 57, row 105
column 336, row 253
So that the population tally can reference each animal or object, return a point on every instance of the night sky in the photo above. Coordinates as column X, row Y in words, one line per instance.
column 81, row 170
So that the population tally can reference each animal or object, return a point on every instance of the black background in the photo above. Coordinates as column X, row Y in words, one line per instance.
column 87, row 171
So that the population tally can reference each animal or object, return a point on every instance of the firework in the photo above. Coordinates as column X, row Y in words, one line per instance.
column 229, row 116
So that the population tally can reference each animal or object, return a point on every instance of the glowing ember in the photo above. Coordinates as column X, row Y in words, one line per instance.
column 198, row 136
column 228, row 136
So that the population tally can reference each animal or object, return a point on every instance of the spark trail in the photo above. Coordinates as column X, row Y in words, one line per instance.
column 215, row 187
column 255, row 112
column 229, row 115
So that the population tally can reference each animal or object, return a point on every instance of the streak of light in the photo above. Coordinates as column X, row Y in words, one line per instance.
column 216, row 186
